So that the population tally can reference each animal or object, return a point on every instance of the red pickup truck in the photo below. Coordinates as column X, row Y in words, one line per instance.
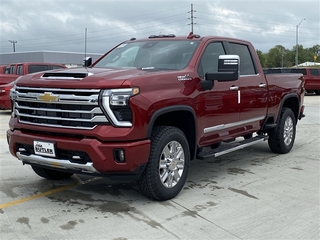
column 16, row 70
column 311, row 78
column 147, row 107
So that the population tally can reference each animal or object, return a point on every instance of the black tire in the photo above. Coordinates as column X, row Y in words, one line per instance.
column 51, row 174
column 162, row 182
column 317, row 92
column 282, row 139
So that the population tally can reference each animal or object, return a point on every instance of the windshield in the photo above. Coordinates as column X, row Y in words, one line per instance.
column 148, row 55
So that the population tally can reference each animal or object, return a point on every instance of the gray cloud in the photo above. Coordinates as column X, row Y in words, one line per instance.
column 57, row 25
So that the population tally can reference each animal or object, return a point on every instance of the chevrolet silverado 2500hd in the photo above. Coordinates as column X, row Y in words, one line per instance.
column 147, row 107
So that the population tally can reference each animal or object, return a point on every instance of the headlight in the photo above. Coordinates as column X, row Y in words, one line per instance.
column 115, row 102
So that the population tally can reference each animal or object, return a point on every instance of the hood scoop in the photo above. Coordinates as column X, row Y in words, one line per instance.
column 66, row 75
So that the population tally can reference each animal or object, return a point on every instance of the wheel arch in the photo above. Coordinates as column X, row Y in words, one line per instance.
column 180, row 116
column 290, row 101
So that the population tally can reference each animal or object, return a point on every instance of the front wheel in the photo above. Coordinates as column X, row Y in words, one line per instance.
column 168, row 164
column 317, row 92
column 282, row 139
column 51, row 174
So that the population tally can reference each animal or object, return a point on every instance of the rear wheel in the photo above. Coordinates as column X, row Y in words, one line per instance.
column 282, row 139
column 317, row 92
column 167, row 168
column 51, row 174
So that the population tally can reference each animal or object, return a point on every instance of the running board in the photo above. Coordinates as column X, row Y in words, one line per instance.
column 230, row 147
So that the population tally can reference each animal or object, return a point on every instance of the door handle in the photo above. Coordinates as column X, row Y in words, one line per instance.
column 234, row 88
column 262, row 85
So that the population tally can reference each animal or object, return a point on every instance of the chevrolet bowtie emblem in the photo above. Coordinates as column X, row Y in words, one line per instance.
column 48, row 97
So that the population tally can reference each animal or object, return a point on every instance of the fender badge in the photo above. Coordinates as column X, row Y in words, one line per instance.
column 184, row 78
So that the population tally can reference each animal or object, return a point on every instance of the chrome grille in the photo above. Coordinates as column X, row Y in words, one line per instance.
column 66, row 108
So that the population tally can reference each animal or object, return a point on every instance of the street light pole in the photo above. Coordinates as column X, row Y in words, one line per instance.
column 14, row 44
column 297, row 30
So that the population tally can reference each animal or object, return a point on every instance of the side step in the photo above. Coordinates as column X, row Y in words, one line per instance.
column 230, row 147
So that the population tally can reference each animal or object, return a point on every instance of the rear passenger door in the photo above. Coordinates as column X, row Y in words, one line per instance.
column 252, row 91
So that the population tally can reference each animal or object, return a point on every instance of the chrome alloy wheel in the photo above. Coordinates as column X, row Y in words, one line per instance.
column 171, row 164
column 288, row 131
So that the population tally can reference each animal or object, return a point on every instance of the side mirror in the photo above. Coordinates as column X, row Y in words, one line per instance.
column 228, row 69
column 87, row 61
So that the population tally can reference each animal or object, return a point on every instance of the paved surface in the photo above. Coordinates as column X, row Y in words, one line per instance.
column 249, row 194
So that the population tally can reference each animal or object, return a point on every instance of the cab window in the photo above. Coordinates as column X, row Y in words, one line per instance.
column 209, row 59
column 246, row 62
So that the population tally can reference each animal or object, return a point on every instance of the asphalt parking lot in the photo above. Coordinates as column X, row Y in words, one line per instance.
column 249, row 194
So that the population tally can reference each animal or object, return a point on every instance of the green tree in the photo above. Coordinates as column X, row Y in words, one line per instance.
column 262, row 57
column 276, row 57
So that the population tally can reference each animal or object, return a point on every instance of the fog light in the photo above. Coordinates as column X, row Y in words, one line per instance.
column 118, row 155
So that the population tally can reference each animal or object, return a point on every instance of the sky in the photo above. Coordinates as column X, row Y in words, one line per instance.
column 98, row 25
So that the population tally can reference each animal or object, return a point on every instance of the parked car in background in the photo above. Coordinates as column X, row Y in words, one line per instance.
column 16, row 70
column 5, row 102
column 32, row 67
column 312, row 78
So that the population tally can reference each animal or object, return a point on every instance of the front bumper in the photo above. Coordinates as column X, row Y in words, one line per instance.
column 99, row 158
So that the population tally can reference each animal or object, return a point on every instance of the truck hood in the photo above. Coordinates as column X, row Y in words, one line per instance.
column 81, row 78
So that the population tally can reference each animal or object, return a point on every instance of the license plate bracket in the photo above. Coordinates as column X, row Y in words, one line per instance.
column 44, row 148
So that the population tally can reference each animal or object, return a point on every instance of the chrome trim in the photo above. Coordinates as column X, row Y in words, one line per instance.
column 57, row 126
column 56, row 163
column 233, row 88
column 106, row 104
column 59, row 89
column 94, row 119
column 240, row 147
column 27, row 107
column 95, row 110
column 62, row 98
column 229, row 125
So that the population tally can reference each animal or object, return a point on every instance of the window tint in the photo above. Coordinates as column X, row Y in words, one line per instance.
column 246, row 62
column 210, row 58
column 37, row 68
column 315, row 72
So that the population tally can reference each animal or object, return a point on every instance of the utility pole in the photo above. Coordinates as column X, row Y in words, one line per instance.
column 297, row 40
column 14, row 44
column 192, row 17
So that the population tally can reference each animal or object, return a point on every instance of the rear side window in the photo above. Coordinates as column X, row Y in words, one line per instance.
column 37, row 68
column 246, row 62
column 315, row 72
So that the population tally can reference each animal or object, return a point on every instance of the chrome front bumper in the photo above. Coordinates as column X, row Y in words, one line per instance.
column 55, row 163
